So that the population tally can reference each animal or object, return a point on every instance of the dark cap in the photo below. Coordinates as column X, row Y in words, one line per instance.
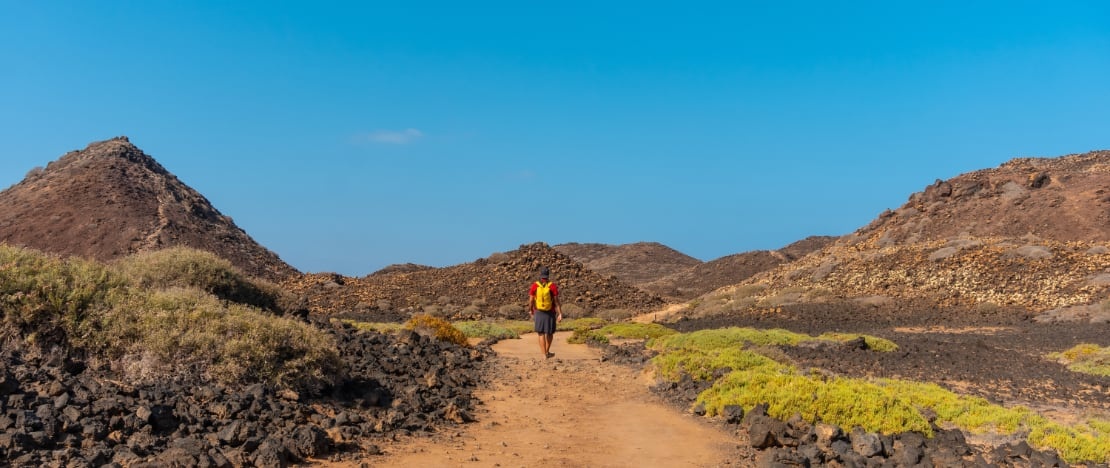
column 545, row 273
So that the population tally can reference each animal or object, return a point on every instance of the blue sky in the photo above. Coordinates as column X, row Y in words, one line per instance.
column 350, row 136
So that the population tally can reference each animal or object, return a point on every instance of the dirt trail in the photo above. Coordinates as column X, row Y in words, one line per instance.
column 571, row 410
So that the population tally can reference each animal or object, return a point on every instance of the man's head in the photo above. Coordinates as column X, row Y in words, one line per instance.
column 544, row 273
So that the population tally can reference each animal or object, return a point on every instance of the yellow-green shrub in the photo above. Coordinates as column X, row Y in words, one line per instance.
column 882, row 405
column 844, row 402
column 1086, row 358
column 873, row 342
column 441, row 329
column 701, row 365
column 576, row 323
column 618, row 330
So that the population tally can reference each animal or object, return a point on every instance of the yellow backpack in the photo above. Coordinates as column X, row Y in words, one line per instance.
column 544, row 300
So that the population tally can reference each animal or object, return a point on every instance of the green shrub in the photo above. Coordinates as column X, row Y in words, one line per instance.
column 576, row 323
column 888, row 406
column 186, row 267
column 520, row 327
column 873, row 342
column 485, row 329
column 1086, row 358
column 442, row 329
column 585, row 332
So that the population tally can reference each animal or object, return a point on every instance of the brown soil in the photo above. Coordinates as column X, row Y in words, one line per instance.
column 111, row 200
column 571, row 410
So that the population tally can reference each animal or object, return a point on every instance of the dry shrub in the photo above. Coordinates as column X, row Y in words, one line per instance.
column 441, row 329
column 512, row 311
column 571, row 311
column 182, row 330
column 616, row 315
column 187, row 267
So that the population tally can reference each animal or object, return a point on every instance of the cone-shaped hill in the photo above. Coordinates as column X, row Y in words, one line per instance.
column 111, row 200
column 1033, row 234
column 492, row 286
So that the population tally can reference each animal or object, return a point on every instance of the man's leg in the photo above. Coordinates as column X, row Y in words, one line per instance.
column 543, row 343
column 548, row 338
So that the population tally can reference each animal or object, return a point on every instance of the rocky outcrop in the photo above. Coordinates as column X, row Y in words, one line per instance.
column 60, row 411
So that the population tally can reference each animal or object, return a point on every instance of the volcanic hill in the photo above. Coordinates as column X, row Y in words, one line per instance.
column 111, row 200
column 676, row 276
column 731, row 269
column 495, row 286
column 1033, row 233
column 637, row 263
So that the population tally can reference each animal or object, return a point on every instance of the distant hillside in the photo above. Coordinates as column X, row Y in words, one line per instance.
column 111, row 200
column 731, row 269
column 636, row 264
column 1033, row 233
column 492, row 286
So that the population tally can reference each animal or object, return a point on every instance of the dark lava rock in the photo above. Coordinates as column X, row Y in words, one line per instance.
column 80, row 416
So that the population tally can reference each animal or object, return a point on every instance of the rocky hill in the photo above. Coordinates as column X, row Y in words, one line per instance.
column 492, row 286
column 637, row 263
column 1033, row 233
column 731, row 269
column 110, row 200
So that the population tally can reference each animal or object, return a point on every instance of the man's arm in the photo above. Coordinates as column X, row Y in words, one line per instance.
column 558, row 309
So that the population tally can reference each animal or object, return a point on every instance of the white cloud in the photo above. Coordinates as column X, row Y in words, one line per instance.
column 393, row 137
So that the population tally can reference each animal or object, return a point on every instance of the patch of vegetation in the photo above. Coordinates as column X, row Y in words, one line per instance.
column 745, row 377
column 739, row 337
column 186, row 267
column 840, row 401
column 620, row 330
column 486, row 329
column 584, row 322
column 519, row 327
column 441, row 329
column 43, row 294
column 187, row 328
column 873, row 342
column 1086, row 358
column 181, row 330
column 616, row 315
column 705, row 340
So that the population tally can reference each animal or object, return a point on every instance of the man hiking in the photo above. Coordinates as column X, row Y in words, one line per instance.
column 543, row 306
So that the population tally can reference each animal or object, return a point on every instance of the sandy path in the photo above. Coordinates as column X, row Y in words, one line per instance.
column 571, row 410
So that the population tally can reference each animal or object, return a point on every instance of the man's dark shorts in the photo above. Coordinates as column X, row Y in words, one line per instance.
column 545, row 322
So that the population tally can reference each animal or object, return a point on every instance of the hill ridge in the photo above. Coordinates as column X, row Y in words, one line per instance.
column 111, row 199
